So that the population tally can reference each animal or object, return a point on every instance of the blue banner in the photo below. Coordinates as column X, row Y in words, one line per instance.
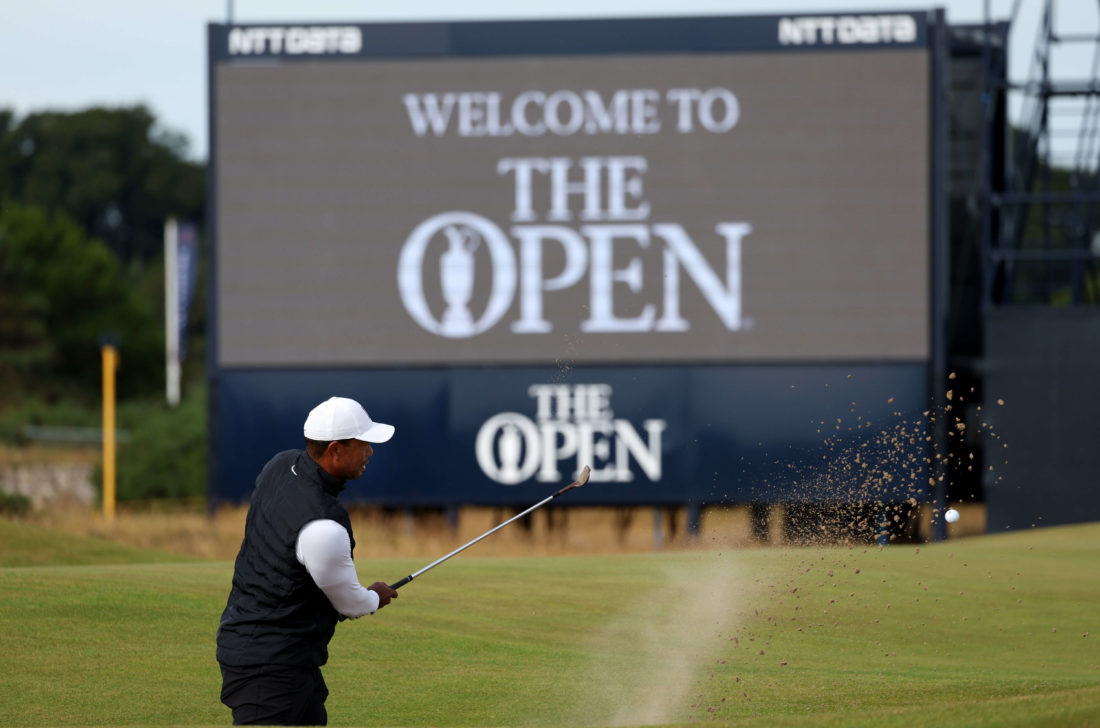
column 188, row 273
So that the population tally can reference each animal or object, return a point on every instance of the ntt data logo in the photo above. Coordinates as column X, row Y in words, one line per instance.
column 573, row 423
column 847, row 30
column 296, row 40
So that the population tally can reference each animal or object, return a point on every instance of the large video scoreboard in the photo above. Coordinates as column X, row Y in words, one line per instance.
column 662, row 247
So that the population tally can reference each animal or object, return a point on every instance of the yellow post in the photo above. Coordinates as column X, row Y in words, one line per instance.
column 110, row 363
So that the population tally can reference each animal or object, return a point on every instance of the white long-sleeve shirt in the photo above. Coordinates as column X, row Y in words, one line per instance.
column 324, row 548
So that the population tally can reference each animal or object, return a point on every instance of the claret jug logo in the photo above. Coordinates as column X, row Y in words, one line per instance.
column 571, row 422
column 593, row 209
column 463, row 233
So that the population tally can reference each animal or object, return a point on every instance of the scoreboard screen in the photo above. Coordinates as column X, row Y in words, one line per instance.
column 720, row 206
column 567, row 209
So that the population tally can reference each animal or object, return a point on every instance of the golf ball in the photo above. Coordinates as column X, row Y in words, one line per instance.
column 951, row 515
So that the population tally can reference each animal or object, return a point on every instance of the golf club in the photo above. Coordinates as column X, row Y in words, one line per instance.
column 581, row 480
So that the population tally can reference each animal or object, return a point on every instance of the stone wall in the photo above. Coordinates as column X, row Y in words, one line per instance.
column 49, row 484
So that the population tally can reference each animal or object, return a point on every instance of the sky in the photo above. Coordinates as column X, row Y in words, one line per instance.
column 72, row 54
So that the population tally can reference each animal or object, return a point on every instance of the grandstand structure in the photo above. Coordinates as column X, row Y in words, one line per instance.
column 1040, row 272
column 1042, row 216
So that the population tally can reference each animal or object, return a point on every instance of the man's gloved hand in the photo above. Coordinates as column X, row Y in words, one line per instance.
column 385, row 594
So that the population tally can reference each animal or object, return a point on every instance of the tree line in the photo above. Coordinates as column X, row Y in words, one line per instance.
column 83, row 200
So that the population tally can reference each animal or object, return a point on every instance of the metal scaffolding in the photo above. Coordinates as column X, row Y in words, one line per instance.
column 1042, row 225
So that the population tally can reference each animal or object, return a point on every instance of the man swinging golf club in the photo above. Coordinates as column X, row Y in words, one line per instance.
column 294, row 577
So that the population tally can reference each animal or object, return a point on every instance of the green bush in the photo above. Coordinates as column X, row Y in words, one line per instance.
column 14, row 504
column 19, row 412
column 165, row 456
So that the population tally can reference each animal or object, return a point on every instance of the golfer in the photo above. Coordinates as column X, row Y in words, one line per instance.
column 294, row 578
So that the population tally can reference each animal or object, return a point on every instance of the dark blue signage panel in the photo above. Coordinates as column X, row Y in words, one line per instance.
column 661, row 435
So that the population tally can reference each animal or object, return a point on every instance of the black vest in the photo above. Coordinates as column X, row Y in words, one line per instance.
column 276, row 614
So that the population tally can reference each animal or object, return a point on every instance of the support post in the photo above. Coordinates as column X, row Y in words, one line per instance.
column 110, row 364
column 694, row 519
column 658, row 529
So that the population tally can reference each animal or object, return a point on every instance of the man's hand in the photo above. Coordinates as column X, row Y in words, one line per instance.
column 385, row 594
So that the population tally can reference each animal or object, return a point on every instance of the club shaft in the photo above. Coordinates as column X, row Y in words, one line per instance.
column 462, row 548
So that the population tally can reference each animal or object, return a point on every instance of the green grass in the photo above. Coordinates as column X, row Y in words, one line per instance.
column 23, row 544
column 987, row 631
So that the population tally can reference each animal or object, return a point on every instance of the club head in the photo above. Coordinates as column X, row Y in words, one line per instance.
column 582, row 478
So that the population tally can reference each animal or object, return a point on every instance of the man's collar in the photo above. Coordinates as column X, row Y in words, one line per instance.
column 312, row 470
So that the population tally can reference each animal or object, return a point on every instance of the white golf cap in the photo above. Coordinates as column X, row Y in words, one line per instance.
column 340, row 418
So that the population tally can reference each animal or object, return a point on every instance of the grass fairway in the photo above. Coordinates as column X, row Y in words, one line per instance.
column 994, row 631
column 22, row 544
